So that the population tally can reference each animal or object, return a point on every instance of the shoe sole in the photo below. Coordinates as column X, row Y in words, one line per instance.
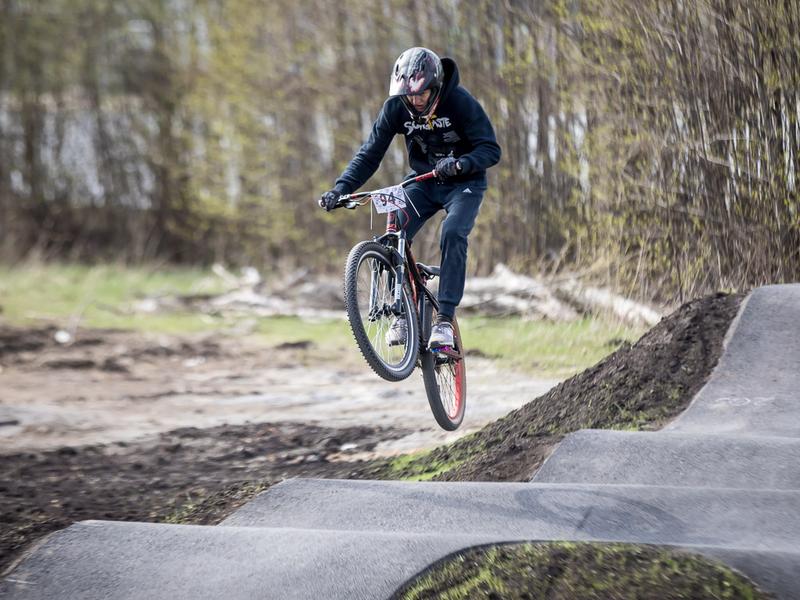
column 439, row 345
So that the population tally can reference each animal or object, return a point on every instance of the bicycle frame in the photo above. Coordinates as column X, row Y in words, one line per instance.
column 383, row 282
column 405, row 266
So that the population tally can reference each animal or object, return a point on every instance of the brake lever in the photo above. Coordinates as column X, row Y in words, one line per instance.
column 346, row 202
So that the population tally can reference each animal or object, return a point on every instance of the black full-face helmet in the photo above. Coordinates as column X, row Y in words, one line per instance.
column 417, row 70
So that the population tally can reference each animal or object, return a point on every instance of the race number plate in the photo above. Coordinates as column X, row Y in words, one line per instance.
column 389, row 199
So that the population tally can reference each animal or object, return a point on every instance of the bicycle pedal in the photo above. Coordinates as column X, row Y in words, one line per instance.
column 444, row 349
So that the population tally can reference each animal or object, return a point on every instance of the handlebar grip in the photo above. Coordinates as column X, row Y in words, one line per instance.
column 425, row 176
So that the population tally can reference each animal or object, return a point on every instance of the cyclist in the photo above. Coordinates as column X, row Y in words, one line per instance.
column 445, row 129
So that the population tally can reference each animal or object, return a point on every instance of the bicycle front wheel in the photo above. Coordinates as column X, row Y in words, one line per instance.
column 444, row 373
column 369, row 284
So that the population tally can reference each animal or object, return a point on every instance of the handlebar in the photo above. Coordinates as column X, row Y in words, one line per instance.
column 423, row 177
column 352, row 200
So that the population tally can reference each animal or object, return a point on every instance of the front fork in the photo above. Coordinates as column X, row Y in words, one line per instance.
column 375, row 280
column 392, row 227
column 400, row 273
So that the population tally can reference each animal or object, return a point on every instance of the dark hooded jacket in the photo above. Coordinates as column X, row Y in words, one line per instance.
column 460, row 126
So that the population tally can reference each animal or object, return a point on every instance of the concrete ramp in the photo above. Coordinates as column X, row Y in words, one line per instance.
column 722, row 480
column 755, row 388
column 760, row 520
column 675, row 459
column 99, row 560
column 96, row 560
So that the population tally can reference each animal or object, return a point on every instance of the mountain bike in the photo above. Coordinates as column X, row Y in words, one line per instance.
column 382, row 282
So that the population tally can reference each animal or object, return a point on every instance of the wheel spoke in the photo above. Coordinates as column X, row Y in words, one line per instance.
column 446, row 382
column 375, row 292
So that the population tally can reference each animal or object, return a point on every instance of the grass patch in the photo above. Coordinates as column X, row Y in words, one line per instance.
column 289, row 330
column 556, row 349
column 105, row 296
column 102, row 296
column 579, row 570
column 426, row 464
column 417, row 466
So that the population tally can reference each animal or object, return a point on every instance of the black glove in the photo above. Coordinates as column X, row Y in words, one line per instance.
column 329, row 199
column 447, row 167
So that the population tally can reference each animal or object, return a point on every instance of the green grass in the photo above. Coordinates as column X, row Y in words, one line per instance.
column 105, row 297
column 102, row 296
column 416, row 467
column 330, row 332
column 579, row 570
column 557, row 349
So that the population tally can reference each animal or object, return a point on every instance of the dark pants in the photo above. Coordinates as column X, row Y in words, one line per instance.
column 461, row 201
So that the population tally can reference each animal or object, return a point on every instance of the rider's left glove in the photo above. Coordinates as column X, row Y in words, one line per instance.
column 447, row 167
column 329, row 199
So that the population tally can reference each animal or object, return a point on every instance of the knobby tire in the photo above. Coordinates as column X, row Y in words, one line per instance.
column 445, row 381
column 389, row 371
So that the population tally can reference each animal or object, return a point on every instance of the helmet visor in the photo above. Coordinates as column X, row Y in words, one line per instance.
column 409, row 84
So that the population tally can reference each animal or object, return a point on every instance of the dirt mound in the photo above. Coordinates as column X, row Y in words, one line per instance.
column 640, row 386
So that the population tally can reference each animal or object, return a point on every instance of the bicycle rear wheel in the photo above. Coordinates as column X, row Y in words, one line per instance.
column 444, row 373
column 369, row 284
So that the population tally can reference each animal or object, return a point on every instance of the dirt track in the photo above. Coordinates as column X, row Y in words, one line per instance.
column 115, row 386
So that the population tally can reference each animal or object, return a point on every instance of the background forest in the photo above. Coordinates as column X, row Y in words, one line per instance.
column 652, row 144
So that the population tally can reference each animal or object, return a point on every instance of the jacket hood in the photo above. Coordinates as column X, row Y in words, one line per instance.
column 451, row 77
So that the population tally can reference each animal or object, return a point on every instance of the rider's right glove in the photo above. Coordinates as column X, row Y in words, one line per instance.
column 329, row 199
column 447, row 167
